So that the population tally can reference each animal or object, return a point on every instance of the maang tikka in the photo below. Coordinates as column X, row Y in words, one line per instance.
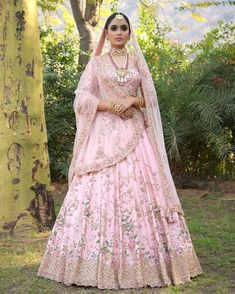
column 119, row 17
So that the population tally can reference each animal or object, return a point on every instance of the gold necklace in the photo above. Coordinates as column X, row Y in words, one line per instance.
column 118, row 51
column 122, row 73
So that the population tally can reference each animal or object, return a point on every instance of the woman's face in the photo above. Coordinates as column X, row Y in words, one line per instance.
column 118, row 33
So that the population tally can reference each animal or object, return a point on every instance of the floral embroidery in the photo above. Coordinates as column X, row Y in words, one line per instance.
column 102, row 160
column 112, row 230
column 129, row 87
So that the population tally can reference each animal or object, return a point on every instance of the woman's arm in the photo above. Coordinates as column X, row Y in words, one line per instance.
column 137, row 101
column 127, row 103
column 131, row 101
column 103, row 105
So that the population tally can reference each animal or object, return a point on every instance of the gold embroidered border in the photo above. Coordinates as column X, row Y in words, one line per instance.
column 106, row 274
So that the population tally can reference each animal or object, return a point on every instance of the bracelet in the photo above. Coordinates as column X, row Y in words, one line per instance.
column 115, row 108
column 118, row 107
column 110, row 106
column 140, row 101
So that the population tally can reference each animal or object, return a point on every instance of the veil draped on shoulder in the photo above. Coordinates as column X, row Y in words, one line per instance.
column 153, row 123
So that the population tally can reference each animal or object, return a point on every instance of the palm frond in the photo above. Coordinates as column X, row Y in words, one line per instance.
column 209, row 114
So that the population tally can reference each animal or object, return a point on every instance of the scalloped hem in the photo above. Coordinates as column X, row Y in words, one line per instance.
column 179, row 269
column 157, row 285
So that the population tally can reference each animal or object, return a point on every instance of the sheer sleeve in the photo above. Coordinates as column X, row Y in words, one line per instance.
column 142, row 92
column 86, row 99
column 85, row 108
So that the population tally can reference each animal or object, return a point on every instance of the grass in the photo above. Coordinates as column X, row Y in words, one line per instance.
column 211, row 222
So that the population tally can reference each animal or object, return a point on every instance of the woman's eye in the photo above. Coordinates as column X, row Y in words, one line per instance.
column 124, row 28
column 113, row 28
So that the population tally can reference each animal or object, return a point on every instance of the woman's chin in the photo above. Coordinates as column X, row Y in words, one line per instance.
column 118, row 44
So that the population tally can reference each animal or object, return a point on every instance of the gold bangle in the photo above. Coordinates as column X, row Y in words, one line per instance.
column 143, row 102
column 140, row 101
column 110, row 106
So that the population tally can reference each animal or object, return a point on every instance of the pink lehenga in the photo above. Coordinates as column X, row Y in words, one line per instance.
column 121, row 224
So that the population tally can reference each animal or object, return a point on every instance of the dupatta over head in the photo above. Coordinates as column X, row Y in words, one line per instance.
column 87, row 104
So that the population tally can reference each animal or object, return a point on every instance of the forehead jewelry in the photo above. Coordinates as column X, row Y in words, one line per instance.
column 119, row 17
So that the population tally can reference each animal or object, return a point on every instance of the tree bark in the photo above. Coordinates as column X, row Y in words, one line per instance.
column 26, row 202
column 86, row 14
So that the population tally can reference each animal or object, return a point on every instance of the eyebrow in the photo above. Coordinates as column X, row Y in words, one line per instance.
column 124, row 24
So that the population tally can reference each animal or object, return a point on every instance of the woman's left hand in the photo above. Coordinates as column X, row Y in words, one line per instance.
column 127, row 114
column 127, row 103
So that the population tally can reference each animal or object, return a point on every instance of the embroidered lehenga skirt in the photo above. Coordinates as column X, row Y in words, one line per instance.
column 111, row 232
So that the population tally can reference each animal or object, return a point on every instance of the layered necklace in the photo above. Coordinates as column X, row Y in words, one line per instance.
column 122, row 73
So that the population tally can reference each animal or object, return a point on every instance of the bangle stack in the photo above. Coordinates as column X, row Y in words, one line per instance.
column 140, row 102
column 115, row 108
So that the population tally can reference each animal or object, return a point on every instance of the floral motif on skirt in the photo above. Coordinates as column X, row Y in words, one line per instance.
column 111, row 231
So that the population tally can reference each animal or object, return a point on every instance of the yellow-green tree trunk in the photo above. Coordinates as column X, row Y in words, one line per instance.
column 25, row 193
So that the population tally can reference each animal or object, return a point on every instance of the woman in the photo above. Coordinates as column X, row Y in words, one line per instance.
column 121, row 224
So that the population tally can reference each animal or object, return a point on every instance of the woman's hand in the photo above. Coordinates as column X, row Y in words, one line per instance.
column 104, row 105
column 127, row 114
column 127, row 103
column 121, row 107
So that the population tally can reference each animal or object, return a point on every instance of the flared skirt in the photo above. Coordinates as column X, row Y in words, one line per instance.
column 111, row 232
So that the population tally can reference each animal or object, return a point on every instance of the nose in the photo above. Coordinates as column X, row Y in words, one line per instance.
column 119, row 31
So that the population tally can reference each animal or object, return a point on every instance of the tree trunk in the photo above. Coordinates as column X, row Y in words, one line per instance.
column 26, row 202
column 86, row 14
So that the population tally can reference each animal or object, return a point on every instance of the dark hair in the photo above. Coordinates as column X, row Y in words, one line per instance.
column 112, row 16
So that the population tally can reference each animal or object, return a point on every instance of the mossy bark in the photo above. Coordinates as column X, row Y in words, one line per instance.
column 25, row 191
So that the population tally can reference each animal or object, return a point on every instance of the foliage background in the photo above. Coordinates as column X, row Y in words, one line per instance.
column 60, row 81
